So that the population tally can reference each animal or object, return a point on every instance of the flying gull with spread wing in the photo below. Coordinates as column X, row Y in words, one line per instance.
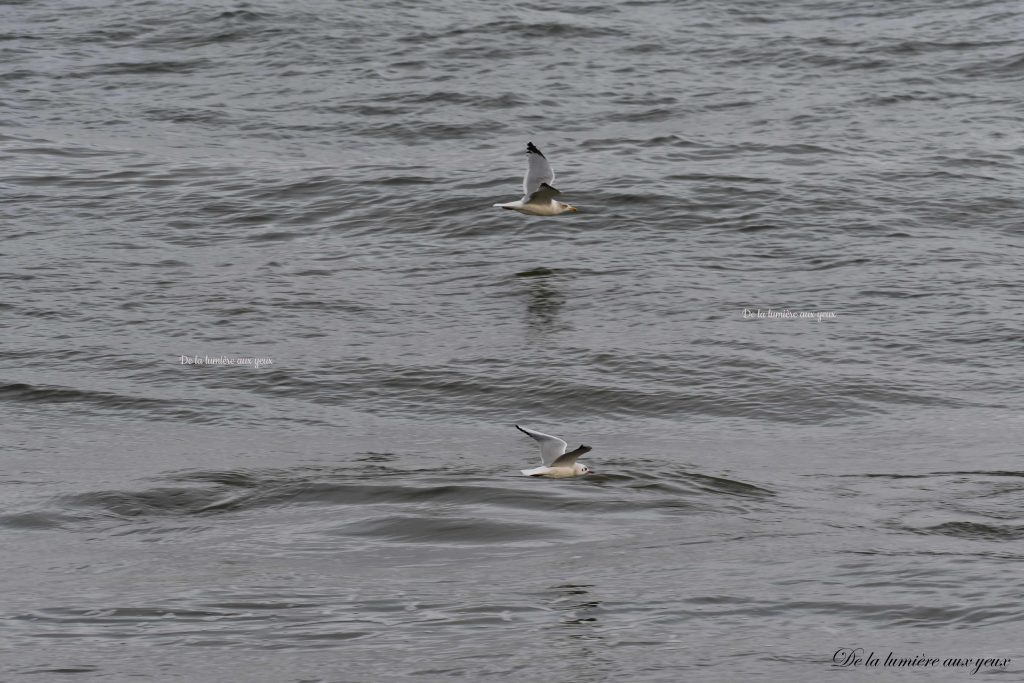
column 555, row 462
column 538, row 194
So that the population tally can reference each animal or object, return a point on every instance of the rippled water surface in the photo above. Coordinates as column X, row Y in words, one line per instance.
column 310, row 185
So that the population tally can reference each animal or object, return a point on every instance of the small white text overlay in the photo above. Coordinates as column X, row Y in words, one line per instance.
column 247, row 361
column 787, row 314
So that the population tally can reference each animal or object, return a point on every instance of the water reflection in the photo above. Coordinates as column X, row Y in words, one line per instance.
column 579, row 611
column 544, row 302
column 579, row 630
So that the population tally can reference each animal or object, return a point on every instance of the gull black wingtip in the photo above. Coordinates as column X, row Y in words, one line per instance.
column 531, row 148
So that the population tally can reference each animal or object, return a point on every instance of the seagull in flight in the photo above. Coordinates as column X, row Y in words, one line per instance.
column 538, row 195
column 555, row 461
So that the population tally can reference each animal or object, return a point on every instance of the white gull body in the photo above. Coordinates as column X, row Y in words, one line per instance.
column 555, row 462
column 538, row 194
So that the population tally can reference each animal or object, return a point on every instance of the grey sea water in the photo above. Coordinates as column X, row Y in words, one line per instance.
column 310, row 184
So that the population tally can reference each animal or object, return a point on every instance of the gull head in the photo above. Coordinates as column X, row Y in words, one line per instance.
column 581, row 469
column 567, row 207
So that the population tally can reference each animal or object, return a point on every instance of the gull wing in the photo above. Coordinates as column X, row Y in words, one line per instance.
column 551, row 447
column 569, row 459
column 544, row 194
column 537, row 172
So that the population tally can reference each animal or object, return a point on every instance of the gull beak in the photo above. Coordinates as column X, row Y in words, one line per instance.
column 573, row 209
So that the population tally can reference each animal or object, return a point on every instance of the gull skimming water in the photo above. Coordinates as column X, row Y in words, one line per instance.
column 538, row 195
column 555, row 461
